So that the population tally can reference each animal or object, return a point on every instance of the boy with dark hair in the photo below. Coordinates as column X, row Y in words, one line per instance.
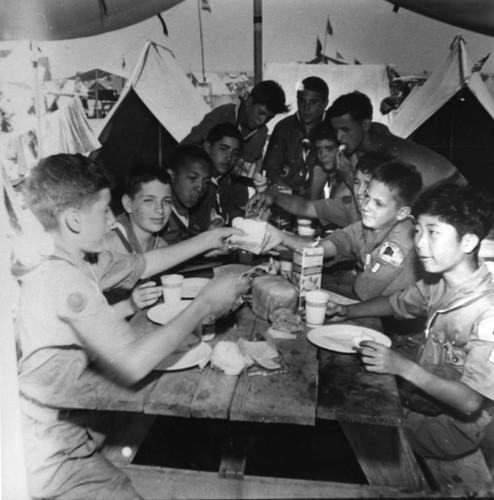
column 227, row 192
column 250, row 116
column 191, row 168
column 65, row 327
column 448, row 389
column 289, row 157
column 381, row 243
column 350, row 115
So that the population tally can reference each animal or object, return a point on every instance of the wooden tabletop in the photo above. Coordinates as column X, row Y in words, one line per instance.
column 333, row 386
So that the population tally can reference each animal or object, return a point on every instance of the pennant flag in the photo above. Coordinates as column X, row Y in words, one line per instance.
column 318, row 48
column 357, row 61
column 205, row 5
column 162, row 21
column 329, row 28
column 479, row 64
column 339, row 56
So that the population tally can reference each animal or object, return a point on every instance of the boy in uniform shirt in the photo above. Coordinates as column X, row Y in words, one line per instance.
column 250, row 116
column 65, row 327
column 448, row 389
column 147, row 204
column 227, row 192
column 191, row 169
column 381, row 243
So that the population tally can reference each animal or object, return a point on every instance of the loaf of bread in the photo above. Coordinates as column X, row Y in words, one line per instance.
column 270, row 293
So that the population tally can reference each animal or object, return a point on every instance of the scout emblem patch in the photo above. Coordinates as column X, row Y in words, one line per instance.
column 76, row 302
column 391, row 253
column 486, row 329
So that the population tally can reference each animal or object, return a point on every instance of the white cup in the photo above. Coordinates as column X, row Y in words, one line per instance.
column 304, row 222
column 316, row 302
column 306, row 231
column 172, row 287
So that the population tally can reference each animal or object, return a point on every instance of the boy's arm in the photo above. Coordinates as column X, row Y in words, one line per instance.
column 449, row 391
column 380, row 306
column 164, row 258
column 291, row 203
column 123, row 353
column 274, row 157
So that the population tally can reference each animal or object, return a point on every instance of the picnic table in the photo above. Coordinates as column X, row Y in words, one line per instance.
column 316, row 384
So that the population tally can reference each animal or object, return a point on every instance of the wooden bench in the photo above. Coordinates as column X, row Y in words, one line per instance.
column 466, row 477
column 157, row 482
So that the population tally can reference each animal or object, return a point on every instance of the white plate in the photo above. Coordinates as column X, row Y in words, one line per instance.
column 343, row 338
column 192, row 286
column 197, row 355
column 164, row 313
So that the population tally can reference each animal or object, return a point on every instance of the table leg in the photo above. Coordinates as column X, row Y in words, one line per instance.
column 385, row 455
column 128, row 433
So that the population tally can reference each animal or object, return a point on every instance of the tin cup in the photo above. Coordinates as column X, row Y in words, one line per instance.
column 172, row 287
column 316, row 302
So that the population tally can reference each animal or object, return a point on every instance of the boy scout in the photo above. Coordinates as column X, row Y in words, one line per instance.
column 381, row 243
column 448, row 388
column 65, row 327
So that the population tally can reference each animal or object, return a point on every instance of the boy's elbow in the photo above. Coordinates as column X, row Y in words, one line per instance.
column 472, row 404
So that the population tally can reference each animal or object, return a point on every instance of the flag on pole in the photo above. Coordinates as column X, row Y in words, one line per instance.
column 479, row 64
column 329, row 28
column 339, row 56
column 163, row 24
column 318, row 48
column 205, row 5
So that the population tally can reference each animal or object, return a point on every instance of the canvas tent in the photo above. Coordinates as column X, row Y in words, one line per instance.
column 453, row 114
column 372, row 80
column 156, row 110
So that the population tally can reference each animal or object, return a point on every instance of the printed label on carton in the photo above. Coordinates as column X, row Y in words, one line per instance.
column 307, row 268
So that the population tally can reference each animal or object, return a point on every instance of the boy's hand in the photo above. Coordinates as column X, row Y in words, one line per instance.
column 378, row 358
column 258, row 202
column 274, row 237
column 145, row 294
column 334, row 309
column 217, row 238
column 224, row 294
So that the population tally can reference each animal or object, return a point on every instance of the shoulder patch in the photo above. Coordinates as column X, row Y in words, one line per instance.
column 391, row 253
column 76, row 302
column 485, row 329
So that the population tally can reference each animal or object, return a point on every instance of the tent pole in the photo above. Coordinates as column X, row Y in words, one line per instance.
column 202, row 44
column 257, row 41
column 38, row 101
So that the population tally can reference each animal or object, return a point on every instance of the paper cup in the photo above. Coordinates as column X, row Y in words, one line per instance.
column 315, row 307
column 306, row 231
column 304, row 222
column 172, row 287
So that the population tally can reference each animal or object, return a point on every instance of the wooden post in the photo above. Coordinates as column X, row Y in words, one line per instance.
column 257, row 41
column 13, row 471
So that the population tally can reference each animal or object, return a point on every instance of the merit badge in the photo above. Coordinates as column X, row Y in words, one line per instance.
column 486, row 329
column 391, row 253
column 76, row 302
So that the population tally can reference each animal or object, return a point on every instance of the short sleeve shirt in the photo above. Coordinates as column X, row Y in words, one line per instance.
column 386, row 258
column 460, row 326
column 62, row 308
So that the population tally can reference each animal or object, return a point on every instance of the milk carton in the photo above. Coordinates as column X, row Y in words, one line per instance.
column 307, row 268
